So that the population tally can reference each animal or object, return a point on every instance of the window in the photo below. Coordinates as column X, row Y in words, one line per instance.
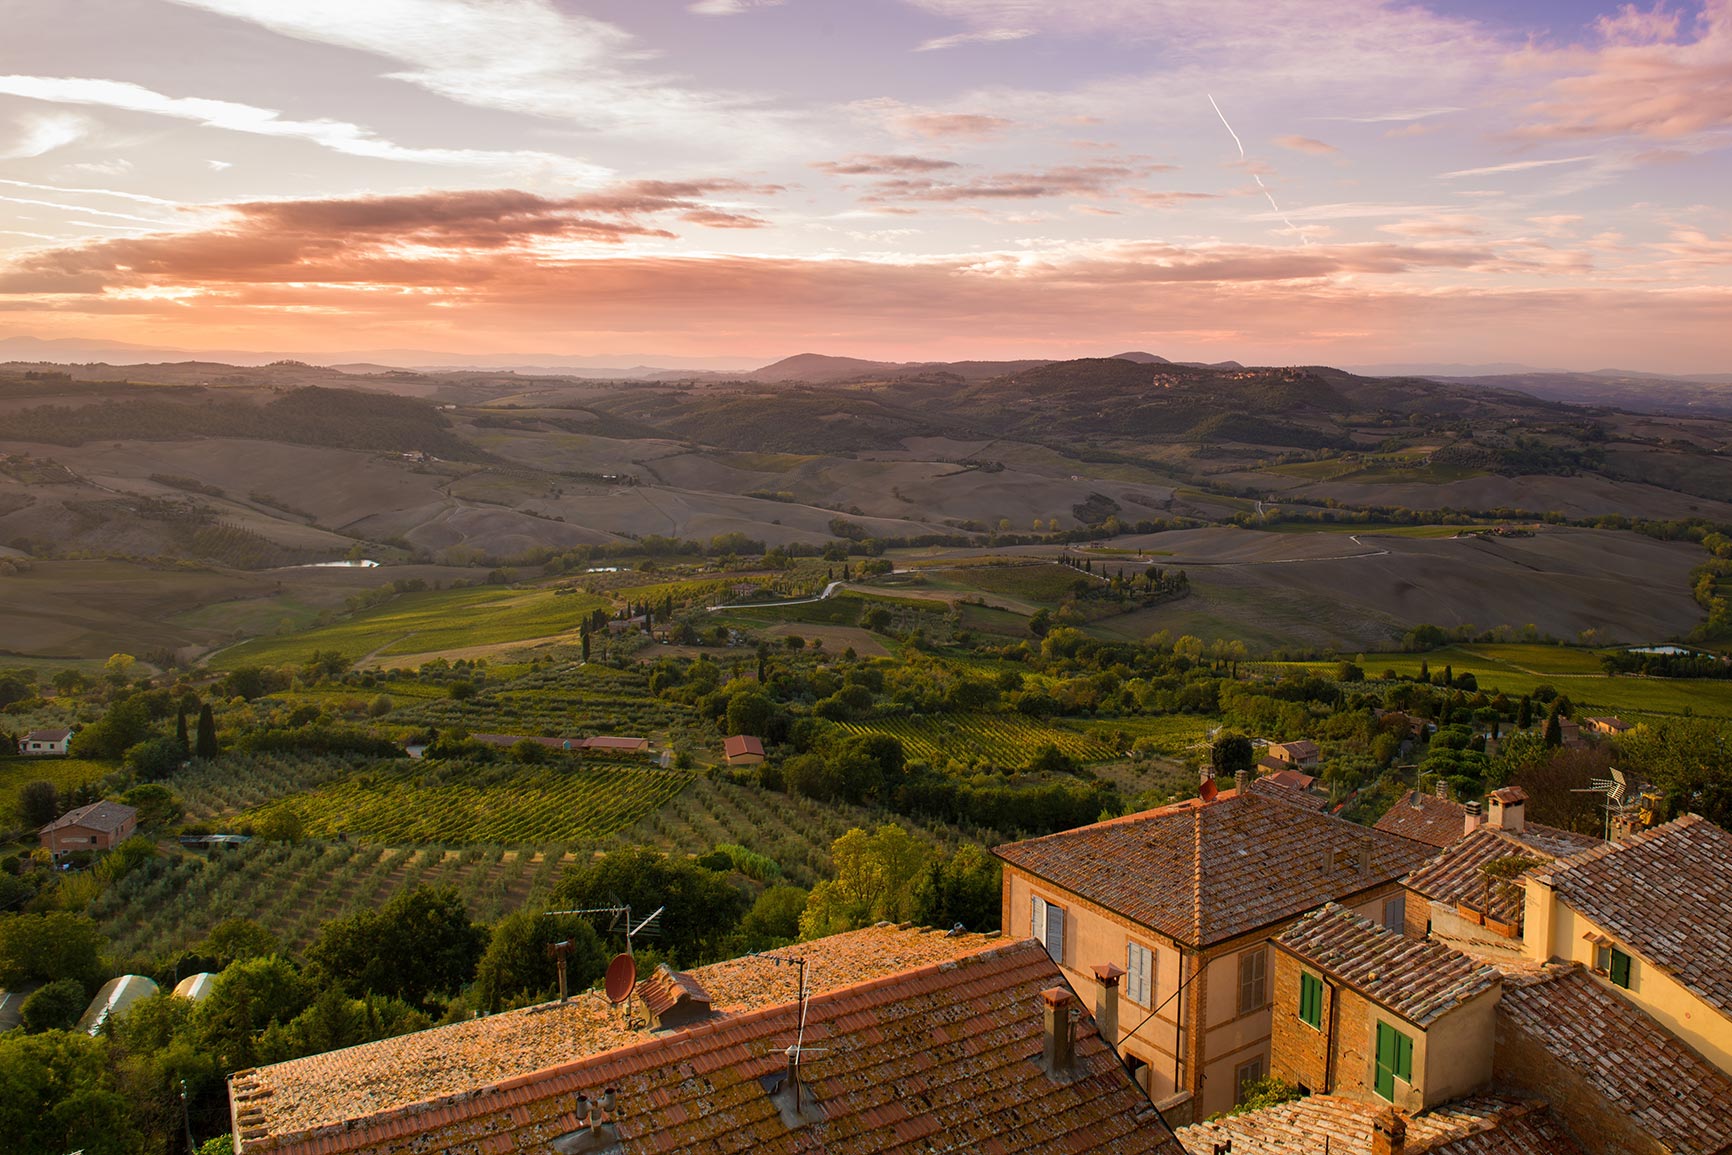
column 1139, row 974
column 1394, row 1060
column 1046, row 923
column 1244, row 1075
column 1139, row 1071
column 1311, row 1000
column 1253, row 985
column 1614, row 964
column 1395, row 913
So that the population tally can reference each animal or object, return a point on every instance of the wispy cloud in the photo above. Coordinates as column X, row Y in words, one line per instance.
column 526, row 56
column 873, row 164
column 336, row 135
column 1513, row 166
column 1402, row 115
column 1306, row 144
column 984, row 36
column 907, row 120
column 42, row 133
column 730, row 7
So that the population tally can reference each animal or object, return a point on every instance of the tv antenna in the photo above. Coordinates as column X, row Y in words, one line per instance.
column 799, row 1049
column 621, row 919
column 1616, row 790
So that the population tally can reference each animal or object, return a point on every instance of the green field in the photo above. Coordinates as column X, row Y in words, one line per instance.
column 66, row 773
column 512, row 805
column 1573, row 672
column 427, row 622
column 1039, row 582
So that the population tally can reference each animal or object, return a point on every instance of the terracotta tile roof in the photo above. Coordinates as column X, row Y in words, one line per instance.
column 1291, row 778
column 611, row 742
column 1202, row 872
column 943, row 1057
column 328, row 1088
column 1418, row 980
column 1426, row 818
column 56, row 734
column 1454, row 875
column 104, row 815
column 1302, row 1126
column 1666, row 893
column 742, row 744
column 1645, row 1072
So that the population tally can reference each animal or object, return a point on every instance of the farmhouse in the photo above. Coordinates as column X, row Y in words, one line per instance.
column 98, row 826
column 743, row 750
column 38, row 743
column 1182, row 901
column 910, row 1039
column 610, row 742
column 1303, row 753
column 1610, row 727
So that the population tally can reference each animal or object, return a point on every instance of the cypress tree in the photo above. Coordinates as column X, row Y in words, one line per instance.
column 1525, row 713
column 180, row 734
column 1554, row 731
column 585, row 641
column 207, row 738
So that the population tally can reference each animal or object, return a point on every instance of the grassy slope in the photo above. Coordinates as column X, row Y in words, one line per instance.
column 424, row 623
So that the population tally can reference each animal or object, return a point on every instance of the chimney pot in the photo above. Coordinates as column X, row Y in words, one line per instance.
column 1240, row 778
column 1057, row 1051
column 1107, row 1001
column 1471, row 821
column 1388, row 1133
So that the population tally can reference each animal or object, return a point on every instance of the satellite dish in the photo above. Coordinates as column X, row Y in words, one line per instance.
column 621, row 977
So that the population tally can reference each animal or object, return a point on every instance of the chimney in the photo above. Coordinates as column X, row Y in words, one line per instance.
column 1107, row 1002
column 1442, row 790
column 1240, row 778
column 1508, row 811
column 1388, row 1133
column 1365, row 856
column 1057, row 1049
column 1472, row 821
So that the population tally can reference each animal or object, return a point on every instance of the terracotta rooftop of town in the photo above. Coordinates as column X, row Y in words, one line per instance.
column 1664, row 1087
column 1455, row 874
column 1418, row 980
column 1202, row 872
column 1666, row 892
column 102, row 815
column 1484, row 1125
column 945, row 1055
column 1442, row 821
column 324, row 1089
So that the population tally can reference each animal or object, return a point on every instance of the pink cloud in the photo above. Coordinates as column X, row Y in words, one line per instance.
column 1648, row 76
column 874, row 164
column 1306, row 144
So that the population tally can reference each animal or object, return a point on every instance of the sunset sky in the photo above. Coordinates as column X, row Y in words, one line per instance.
column 1542, row 181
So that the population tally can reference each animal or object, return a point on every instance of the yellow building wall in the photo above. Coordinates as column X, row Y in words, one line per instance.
column 1560, row 934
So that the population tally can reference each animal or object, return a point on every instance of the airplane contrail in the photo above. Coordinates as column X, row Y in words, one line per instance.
column 1254, row 176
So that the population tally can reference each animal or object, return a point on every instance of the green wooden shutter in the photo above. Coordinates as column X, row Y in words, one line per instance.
column 1311, row 1000
column 1620, row 968
column 1403, row 1057
column 1385, row 1084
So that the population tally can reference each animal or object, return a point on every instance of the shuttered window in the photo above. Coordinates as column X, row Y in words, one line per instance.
column 1395, row 913
column 1620, row 968
column 1394, row 1060
column 1046, row 923
column 1311, row 1000
column 1139, row 973
column 1253, row 984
